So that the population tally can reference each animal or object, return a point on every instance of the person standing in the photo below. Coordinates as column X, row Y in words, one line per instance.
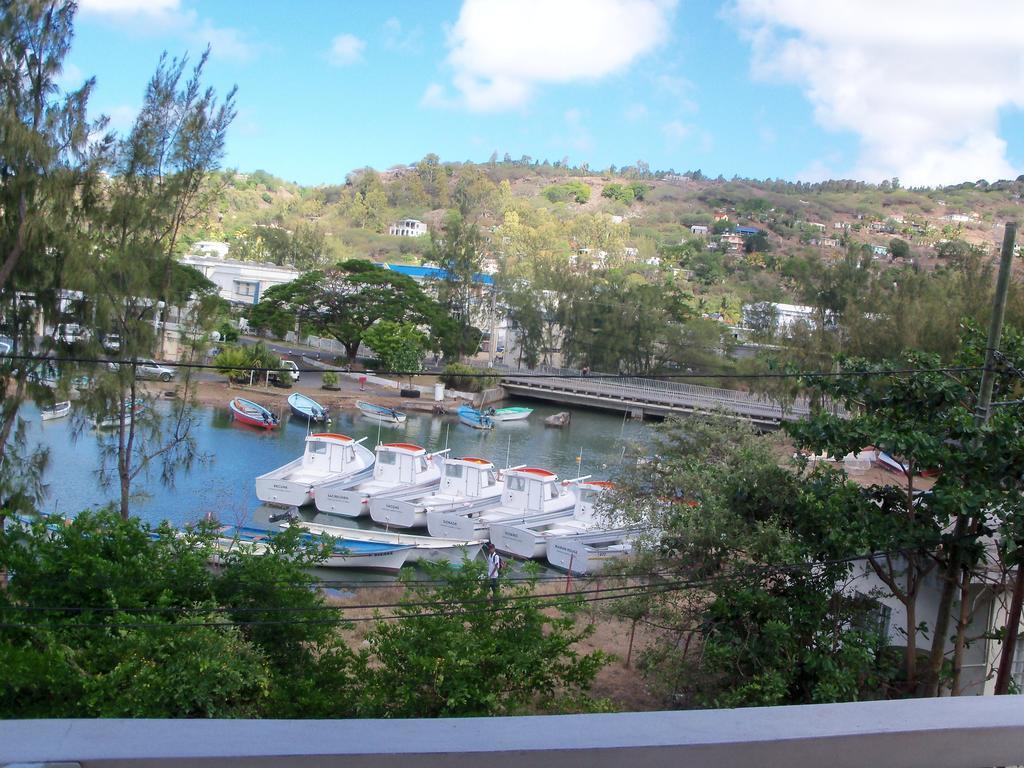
column 493, row 569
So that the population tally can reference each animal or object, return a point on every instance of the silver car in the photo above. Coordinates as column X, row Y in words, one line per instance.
column 151, row 369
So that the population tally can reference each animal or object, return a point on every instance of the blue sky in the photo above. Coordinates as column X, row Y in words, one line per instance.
column 798, row 89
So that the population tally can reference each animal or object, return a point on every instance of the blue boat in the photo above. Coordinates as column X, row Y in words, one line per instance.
column 471, row 417
column 307, row 408
column 380, row 413
column 348, row 553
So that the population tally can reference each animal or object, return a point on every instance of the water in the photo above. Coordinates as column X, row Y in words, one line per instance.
column 221, row 483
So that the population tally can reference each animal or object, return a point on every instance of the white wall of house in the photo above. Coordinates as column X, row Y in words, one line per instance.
column 240, row 282
column 408, row 228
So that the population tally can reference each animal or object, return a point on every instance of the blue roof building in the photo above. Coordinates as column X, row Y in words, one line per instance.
column 420, row 274
column 746, row 231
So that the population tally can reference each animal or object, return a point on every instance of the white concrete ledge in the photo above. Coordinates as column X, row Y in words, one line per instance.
column 937, row 733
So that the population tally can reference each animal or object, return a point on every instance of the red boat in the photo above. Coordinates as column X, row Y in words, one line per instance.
column 253, row 414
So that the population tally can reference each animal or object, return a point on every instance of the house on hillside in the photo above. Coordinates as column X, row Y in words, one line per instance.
column 747, row 231
column 957, row 218
column 408, row 228
column 879, row 251
column 732, row 242
column 828, row 242
column 699, row 230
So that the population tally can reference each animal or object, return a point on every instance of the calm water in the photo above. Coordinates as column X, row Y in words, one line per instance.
column 223, row 482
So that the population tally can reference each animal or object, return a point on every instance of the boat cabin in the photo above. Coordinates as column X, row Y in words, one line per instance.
column 530, row 488
column 468, row 476
column 587, row 494
column 400, row 463
column 327, row 452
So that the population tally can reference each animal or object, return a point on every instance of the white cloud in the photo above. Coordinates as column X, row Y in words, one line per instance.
column 398, row 39
column 435, row 96
column 578, row 138
column 502, row 51
column 676, row 131
column 121, row 118
column 167, row 17
column 635, row 112
column 920, row 82
column 345, row 49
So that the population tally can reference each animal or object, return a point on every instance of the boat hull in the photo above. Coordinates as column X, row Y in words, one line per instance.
column 355, row 502
column 412, row 513
column 517, row 541
column 256, row 420
column 304, row 407
column 380, row 413
column 298, row 493
column 59, row 411
column 587, row 553
column 425, row 548
column 503, row 415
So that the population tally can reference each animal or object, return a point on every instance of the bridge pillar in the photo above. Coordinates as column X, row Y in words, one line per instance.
column 636, row 413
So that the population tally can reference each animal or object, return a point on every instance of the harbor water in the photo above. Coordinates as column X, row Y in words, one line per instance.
column 220, row 482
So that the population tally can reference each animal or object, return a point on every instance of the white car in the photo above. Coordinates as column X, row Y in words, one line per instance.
column 291, row 367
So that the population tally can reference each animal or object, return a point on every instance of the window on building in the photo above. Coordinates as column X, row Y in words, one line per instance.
column 245, row 288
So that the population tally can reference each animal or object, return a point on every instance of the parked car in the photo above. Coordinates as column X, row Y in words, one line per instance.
column 292, row 368
column 70, row 333
column 112, row 343
column 148, row 369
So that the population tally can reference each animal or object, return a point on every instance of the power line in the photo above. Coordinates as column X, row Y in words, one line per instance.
column 591, row 376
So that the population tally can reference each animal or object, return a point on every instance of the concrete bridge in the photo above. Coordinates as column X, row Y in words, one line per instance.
column 645, row 397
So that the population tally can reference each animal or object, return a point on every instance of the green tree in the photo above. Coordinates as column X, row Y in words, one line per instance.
column 398, row 346
column 766, row 622
column 156, row 188
column 453, row 653
column 111, row 618
column 900, row 249
column 457, row 250
column 925, row 420
column 50, row 158
column 344, row 302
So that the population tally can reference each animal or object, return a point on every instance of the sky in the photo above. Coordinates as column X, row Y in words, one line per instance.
column 928, row 91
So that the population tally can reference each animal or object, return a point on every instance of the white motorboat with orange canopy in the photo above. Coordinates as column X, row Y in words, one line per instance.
column 327, row 458
column 526, row 493
column 401, row 471
column 467, row 484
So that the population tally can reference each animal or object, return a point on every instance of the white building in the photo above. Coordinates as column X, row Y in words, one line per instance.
column 699, row 229
column 214, row 248
column 240, row 282
column 408, row 228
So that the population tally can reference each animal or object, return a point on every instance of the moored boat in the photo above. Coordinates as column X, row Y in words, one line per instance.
column 466, row 484
column 305, row 407
column 529, row 538
column 426, row 548
column 471, row 417
column 113, row 421
column 252, row 414
column 401, row 471
column 56, row 411
column 526, row 492
column 584, row 553
column 381, row 413
column 512, row 413
column 346, row 553
column 327, row 458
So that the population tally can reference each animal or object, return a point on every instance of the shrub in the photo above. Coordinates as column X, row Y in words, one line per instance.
column 466, row 378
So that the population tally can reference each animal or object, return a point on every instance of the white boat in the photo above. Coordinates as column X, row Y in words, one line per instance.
column 512, row 413
column 327, row 458
column 401, row 471
column 114, row 421
column 526, row 492
column 466, row 484
column 347, row 553
column 529, row 539
column 56, row 411
column 426, row 548
column 584, row 553
column 380, row 413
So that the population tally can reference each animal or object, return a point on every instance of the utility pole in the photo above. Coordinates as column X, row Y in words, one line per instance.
column 982, row 414
column 494, row 326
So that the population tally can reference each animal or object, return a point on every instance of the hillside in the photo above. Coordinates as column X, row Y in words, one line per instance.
column 620, row 217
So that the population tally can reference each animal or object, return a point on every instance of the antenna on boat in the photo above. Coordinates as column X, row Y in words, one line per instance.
column 447, row 432
column 508, row 452
column 579, row 460
column 379, row 422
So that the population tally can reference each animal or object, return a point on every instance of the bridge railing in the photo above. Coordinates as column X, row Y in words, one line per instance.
column 671, row 392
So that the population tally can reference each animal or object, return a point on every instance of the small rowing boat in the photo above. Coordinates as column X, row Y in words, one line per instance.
column 380, row 413
column 471, row 417
column 307, row 408
column 512, row 413
column 253, row 414
column 56, row 411
column 346, row 552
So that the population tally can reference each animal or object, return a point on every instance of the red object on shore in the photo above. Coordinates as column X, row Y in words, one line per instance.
column 362, row 383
